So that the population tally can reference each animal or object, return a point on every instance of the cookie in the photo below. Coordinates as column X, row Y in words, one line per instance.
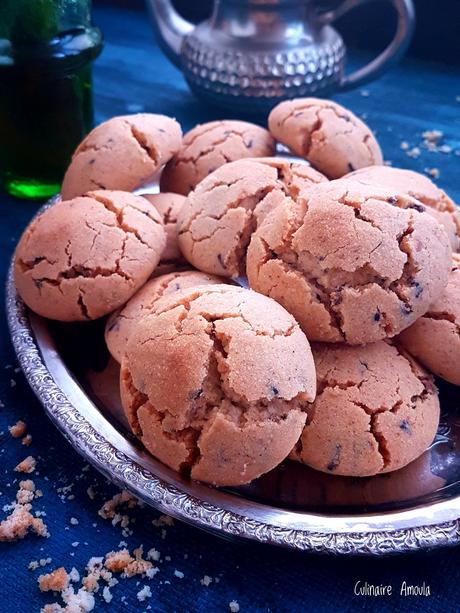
column 432, row 199
column 348, row 264
column 122, row 322
column 434, row 339
column 122, row 154
column 326, row 134
column 85, row 257
column 169, row 205
column 215, row 383
column 376, row 411
column 217, row 220
column 210, row 145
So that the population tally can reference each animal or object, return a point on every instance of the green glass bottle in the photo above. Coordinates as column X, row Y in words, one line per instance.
column 46, row 50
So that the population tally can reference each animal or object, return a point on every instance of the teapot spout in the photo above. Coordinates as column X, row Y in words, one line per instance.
column 170, row 28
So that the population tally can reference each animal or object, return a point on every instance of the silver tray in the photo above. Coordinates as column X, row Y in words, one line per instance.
column 415, row 508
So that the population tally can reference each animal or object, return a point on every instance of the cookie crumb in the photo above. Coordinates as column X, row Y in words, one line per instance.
column 432, row 136
column 144, row 593
column 18, row 429
column 163, row 520
column 433, row 172
column 414, row 152
column 26, row 440
column 106, row 594
column 20, row 521
column 179, row 574
column 56, row 581
column 234, row 606
column 153, row 554
column 27, row 465
column 207, row 580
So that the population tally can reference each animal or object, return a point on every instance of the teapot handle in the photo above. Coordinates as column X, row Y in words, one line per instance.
column 397, row 47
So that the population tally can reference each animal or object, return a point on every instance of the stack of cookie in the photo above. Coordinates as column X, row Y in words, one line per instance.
column 218, row 381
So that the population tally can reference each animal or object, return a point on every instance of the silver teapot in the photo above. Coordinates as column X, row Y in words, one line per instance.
column 251, row 54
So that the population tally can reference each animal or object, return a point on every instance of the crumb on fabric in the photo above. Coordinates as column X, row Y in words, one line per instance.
column 413, row 153
column 153, row 554
column 18, row 429
column 163, row 520
column 179, row 574
column 20, row 521
column 56, row 581
column 107, row 594
column 97, row 569
column 144, row 593
column 207, row 580
column 433, row 172
column 26, row 441
column 234, row 606
column 27, row 465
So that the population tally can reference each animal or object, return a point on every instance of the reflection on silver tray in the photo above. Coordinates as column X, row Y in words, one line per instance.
column 414, row 508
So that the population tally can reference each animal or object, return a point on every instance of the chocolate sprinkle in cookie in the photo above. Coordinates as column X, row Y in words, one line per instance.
column 122, row 153
column 210, row 145
column 350, row 266
column 216, row 383
column 434, row 339
column 376, row 411
column 326, row 134
column 122, row 322
column 85, row 257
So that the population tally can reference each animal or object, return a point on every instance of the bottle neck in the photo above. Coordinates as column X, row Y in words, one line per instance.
column 66, row 51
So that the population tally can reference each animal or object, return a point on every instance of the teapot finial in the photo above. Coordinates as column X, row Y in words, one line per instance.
column 170, row 27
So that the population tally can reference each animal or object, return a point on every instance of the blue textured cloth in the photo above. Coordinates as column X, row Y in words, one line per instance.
column 132, row 75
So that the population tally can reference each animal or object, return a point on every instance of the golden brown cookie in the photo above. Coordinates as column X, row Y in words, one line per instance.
column 216, row 383
column 85, row 257
column 430, row 198
column 326, row 134
column 350, row 265
column 210, row 145
column 123, row 321
column 434, row 339
column 122, row 153
column 217, row 220
column 376, row 411
column 169, row 205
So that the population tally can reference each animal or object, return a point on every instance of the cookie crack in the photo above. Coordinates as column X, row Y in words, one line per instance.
column 151, row 152
column 119, row 217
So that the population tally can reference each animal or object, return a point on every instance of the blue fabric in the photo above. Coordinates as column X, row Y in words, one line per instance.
column 132, row 75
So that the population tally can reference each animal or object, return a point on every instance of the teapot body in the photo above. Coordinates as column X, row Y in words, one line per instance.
column 250, row 55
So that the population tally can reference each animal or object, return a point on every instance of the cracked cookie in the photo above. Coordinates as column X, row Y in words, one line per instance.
column 123, row 321
column 434, row 339
column 432, row 199
column 122, row 154
column 326, row 134
column 376, row 410
column 85, row 257
column 216, row 222
column 169, row 205
column 210, row 145
column 216, row 382
column 348, row 263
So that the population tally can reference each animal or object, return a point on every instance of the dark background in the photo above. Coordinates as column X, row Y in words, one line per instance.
column 132, row 75
column 369, row 27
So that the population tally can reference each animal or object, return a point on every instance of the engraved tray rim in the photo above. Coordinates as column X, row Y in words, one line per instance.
column 423, row 527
